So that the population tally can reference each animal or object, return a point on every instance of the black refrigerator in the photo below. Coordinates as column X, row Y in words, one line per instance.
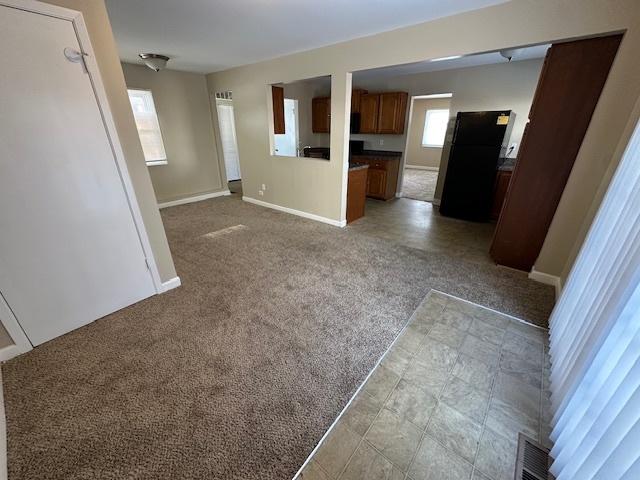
column 479, row 140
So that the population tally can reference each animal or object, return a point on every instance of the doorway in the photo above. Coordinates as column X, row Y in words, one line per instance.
column 428, row 119
column 228, row 140
column 287, row 143
column 73, row 249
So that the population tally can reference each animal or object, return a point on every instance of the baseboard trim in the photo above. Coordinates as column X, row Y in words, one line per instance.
column 170, row 284
column 9, row 352
column 299, row 213
column 436, row 202
column 196, row 198
column 421, row 167
column 547, row 279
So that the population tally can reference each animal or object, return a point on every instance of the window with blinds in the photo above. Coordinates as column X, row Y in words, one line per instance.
column 595, row 341
column 144, row 112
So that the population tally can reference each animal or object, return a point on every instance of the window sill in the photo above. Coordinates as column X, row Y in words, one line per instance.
column 432, row 146
column 157, row 162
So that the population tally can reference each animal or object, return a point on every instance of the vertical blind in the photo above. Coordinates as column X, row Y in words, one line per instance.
column 595, row 341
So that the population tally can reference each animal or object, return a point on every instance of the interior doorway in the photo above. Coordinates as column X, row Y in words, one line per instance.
column 287, row 143
column 428, row 120
column 228, row 140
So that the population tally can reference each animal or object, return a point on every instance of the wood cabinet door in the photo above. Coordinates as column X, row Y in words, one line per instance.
column 321, row 115
column 500, row 192
column 567, row 93
column 392, row 112
column 277, row 95
column 369, row 112
column 356, row 95
column 376, row 183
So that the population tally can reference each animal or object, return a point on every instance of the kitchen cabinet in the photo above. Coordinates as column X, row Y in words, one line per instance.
column 277, row 96
column 382, row 178
column 356, row 192
column 500, row 192
column 356, row 95
column 321, row 115
column 572, row 78
column 383, row 112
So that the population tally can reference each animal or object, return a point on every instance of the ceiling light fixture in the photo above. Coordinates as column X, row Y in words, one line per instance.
column 154, row 61
column 452, row 57
column 510, row 53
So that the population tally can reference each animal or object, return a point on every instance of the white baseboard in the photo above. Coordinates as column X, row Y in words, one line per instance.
column 421, row 167
column 196, row 198
column 547, row 279
column 8, row 352
column 299, row 213
column 170, row 284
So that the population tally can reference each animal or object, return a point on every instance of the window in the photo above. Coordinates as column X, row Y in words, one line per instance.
column 435, row 127
column 144, row 112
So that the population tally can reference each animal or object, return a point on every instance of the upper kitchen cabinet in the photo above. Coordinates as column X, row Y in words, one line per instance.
column 369, row 112
column 277, row 95
column 356, row 95
column 383, row 112
column 392, row 112
column 321, row 115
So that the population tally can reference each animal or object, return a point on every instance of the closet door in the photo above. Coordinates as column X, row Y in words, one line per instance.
column 69, row 249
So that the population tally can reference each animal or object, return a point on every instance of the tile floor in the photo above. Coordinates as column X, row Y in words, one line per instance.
column 417, row 224
column 446, row 402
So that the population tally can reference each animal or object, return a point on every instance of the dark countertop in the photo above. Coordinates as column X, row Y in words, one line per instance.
column 377, row 153
column 506, row 164
column 357, row 166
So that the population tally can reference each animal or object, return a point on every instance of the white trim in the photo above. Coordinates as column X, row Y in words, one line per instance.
column 435, row 95
column 196, row 198
column 9, row 352
column 547, row 279
column 299, row 213
column 10, row 322
column 171, row 284
column 155, row 163
column 436, row 202
column 420, row 167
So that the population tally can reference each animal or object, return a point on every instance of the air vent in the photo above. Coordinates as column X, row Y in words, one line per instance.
column 533, row 460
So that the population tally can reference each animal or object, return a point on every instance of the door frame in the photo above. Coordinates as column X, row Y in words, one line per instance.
column 9, row 321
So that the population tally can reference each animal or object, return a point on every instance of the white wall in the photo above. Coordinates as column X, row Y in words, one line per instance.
column 184, row 112
column 320, row 187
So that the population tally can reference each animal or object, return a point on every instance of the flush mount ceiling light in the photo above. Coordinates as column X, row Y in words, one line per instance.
column 510, row 53
column 154, row 61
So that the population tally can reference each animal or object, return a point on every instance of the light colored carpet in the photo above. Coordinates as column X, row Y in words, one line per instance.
column 419, row 184
column 238, row 373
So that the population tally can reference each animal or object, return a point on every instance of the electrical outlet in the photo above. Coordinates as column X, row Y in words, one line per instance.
column 264, row 187
column 260, row 192
column 382, row 141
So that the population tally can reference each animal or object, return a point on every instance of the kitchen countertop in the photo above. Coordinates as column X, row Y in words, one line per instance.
column 506, row 164
column 357, row 166
column 377, row 153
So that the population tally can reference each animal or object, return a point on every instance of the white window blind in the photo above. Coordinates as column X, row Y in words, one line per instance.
column 144, row 112
column 435, row 127
column 595, row 342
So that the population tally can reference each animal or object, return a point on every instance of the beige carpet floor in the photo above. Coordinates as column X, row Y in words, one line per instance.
column 419, row 184
column 238, row 373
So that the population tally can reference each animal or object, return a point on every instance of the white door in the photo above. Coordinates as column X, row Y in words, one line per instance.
column 287, row 143
column 228, row 140
column 69, row 249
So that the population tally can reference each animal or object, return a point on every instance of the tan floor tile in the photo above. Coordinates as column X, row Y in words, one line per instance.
column 434, row 462
column 455, row 431
column 496, row 456
column 455, row 318
column 448, row 335
column 361, row 413
column 336, row 449
column 466, row 399
column 380, row 383
column 313, row 471
column 435, row 354
column 367, row 464
column 397, row 439
column 412, row 403
column 477, row 374
column 480, row 350
column 486, row 332
column 396, row 359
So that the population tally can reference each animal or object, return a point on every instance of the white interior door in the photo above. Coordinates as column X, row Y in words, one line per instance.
column 69, row 249
column 287, row 143
column 226, row 122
